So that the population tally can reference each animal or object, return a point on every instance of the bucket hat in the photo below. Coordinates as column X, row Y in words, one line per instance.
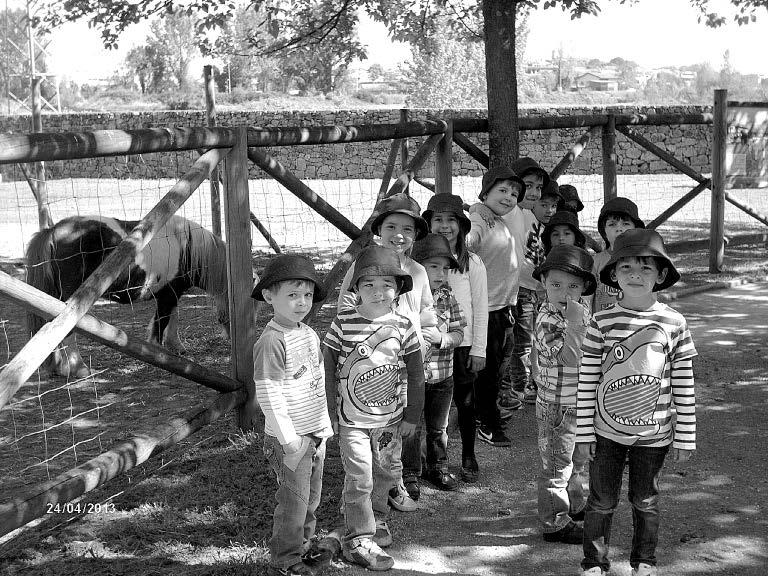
column 498, row 173
column 569, row 194
column 288, row 267
column 400, row 203
column 551, row 189
column 433, row 246
column 573, row 260
column 526, row 165
column 448, row 203
column 640, row 242
column 380, row 261
column 562, row 218
column 618, row 205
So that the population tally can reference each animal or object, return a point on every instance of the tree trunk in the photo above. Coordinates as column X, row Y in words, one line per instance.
column 501, row 74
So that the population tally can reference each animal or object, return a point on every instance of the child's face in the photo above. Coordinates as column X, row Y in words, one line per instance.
column 446, row 224
column 637, row 277
column 545, row 208
column 377, row 292
column 561, row 285
column 533, row 185
column 502, row 197
column 398, row 232
column 616, row 225
column 291, row 300
column 437, row 269
column 562, row 234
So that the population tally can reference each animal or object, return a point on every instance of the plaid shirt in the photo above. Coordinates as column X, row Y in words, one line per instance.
column 438, row 364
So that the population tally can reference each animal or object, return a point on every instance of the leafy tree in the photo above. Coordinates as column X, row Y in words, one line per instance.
column 173, row 39
column 14, row 47
column 140, row 62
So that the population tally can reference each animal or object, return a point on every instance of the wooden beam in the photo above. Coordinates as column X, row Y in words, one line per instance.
column 444, row 162
column 123, row 457
column 242, row 309
column 415, row 164
column 762, row 218
column 41, row 186
column 264, row 232
column 403, row 141
column 423, row 182
column 471, row 148
column 661, row 153
column 609, row 159
column 664, row 216
column 573, row 153
column 394, row 148
column 303, row 192
column 47, row 306
column 27, row 360
column 719, row 173
column 210, row 120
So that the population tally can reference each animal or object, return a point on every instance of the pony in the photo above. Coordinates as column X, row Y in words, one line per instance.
column 181, row 255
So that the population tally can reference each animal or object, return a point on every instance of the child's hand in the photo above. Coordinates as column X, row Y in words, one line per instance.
column 291, row 456
column 335, row 426
column 407, row 428
column 574, row 311
column 484, row 212
column 432, row 335
column 586, row 451
column 475, row 363
column 293, row 445
column 681, row 455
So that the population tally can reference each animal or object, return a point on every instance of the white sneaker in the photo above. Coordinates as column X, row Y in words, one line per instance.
column 644, row 569
column 400, row 500
column 594, row 571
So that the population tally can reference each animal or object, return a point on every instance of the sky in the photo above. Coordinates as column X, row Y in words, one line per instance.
column 653, row 33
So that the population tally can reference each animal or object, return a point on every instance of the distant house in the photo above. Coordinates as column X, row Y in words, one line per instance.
column 597, row 81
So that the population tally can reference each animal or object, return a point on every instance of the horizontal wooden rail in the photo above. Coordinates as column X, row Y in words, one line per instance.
column 47, row 306
column 301, row 136
column 123, row 457
column 29, row 358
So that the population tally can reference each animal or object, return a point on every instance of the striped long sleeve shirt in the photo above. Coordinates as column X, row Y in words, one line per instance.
column 636, row 379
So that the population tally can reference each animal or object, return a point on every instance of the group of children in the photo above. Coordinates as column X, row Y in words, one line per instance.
column 488, row 311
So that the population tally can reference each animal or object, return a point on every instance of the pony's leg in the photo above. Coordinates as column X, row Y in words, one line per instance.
column 164, row 328
column 66, row 360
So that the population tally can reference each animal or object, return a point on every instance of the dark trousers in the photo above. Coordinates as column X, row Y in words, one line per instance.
column 464, row 398
column 605, row 475
column 437, row 405
column 489, row 379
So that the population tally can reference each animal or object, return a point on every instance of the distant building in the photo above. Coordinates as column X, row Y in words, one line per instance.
column 597, row 81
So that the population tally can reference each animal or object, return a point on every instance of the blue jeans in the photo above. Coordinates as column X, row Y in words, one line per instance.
column 299, row 484
column 367, row 455
column 437, row 404
column 518, row 371
column 562, row 481
column 605, row 474
column 500, row 324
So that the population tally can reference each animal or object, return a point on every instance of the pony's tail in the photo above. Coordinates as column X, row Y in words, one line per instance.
column 39, row 259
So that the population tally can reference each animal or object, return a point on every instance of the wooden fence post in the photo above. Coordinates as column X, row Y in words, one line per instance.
column 609, row 158
column 210, row 117
column 41, row 187
column 240, row 274
column 717, row 224
column 444, row 162
column 404, row 141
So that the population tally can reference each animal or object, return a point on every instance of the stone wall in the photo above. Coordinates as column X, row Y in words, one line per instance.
column 689, row 143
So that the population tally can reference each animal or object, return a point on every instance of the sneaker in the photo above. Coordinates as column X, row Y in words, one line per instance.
column 382, row 537
column 571, row 533
column 508, row 400
column 594, row 571
column 399, row 499
column 469, row 469
column 369, row 555
column 644, row 569
column 578, row 516
column 442, row 480
column 412, row 489
column 298, row 569
column 530, row 393
column 496, row 438
column 320, row 554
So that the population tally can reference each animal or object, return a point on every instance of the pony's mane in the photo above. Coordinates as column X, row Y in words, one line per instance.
column 208, row 260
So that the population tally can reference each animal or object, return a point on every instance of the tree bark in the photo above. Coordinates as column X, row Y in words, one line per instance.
column 499, row 18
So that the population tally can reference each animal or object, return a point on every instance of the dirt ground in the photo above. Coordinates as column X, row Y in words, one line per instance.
column 205, row 506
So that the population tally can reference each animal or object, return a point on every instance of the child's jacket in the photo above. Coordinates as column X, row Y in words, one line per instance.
column 450, row 322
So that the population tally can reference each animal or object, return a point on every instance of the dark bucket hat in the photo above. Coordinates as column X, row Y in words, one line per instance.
column 573, row 260
column 618, row 205
column 526, row 165
column 448, row 203
column 497, row 174
column 551, row 189
column 400, row 203
column 570, row 194
column 288, row 267
column 640, row 242
column 562, row 218
column 432, row 246
column 380, row 261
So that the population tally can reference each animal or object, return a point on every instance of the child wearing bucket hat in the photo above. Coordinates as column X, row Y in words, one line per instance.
column 497, row 241
column 373, row 402
column 434, row 253
column 290, row 390
column 469, row 283
column 535, row 178
column 635, row 398
column 561, row 324
column 616, row 216
column 563, row 228
column 570, row 198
